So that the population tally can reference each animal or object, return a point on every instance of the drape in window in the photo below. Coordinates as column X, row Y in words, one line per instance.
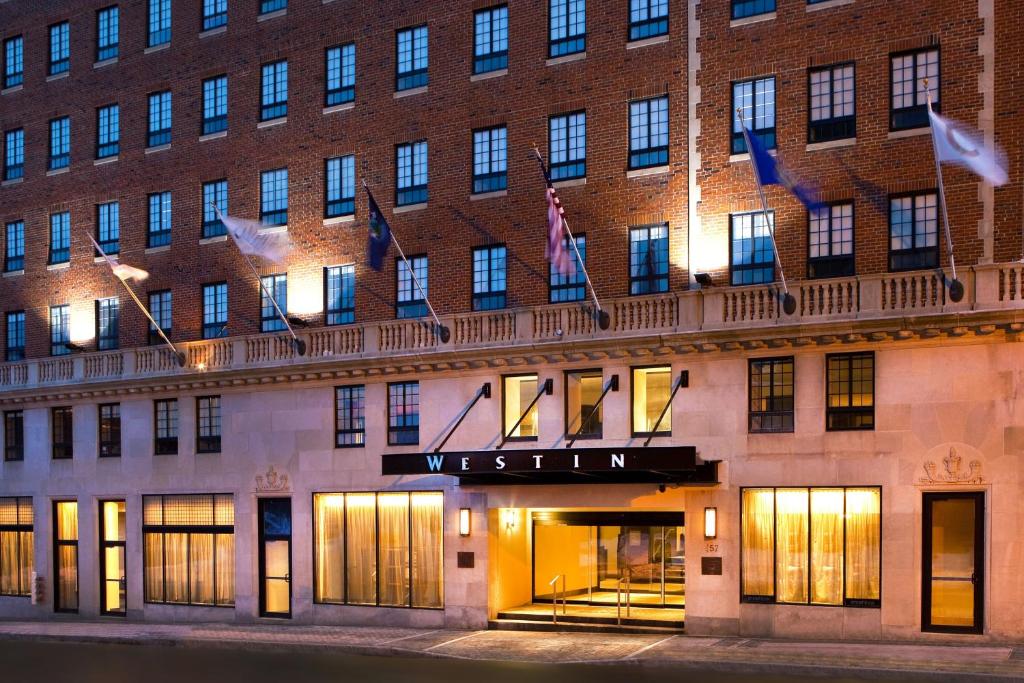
column 330, row 549
column 863, row 544
column 27, row 560
column 393, row 516
column 427, row 550
column 153, row 577
column 225, row 585
column 67, row 557
column 361, row 542
column 791, row 550
column 758, row 542
column 201, row 569
column 176, row 567
column 9, row 569
column 827, row 546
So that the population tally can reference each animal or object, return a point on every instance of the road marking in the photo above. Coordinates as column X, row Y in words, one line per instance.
column 453, row 640
column 414, row 635
column 645, row 648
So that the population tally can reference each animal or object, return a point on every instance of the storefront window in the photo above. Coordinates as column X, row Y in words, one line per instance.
column 16, row 546
column 519, row 392
column 582, row 392
column 652, row 388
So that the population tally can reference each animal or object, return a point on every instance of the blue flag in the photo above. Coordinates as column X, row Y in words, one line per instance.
column 379, row 237
column 771, row 172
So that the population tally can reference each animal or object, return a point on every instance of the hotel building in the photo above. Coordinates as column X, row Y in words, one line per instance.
column 708, row 462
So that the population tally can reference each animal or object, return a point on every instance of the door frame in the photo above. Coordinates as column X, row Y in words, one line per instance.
column 103, row 545
column 979, row 561
column 57, row 544
column 261, row 569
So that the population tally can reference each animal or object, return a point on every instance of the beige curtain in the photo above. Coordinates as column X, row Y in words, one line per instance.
column 393, row 519
column 176, row 567
column 863, row 544
column 27, row 558
column 225, row 577
column 201, row 569
column 329, row 535
column 153, row 559
column 67, row 521
column 791, row 535
column 361, row 540
column 9, row 570
column 757, row 538
column 427, row 550
column 827, row 546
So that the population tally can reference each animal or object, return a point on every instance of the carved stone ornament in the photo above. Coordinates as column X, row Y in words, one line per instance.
column 272, row 481
column 952, row 471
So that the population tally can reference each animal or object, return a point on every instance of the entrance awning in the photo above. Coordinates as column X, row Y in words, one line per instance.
column 633, row 465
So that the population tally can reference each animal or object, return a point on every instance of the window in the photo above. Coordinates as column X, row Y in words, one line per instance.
column 756, row 101
column 851, row 391
column 340, row 294
column 14, row 252
column 215, row 14
column 16, row 545
column 490, row 39
column 749, row 8
column 65, row 551
column 215, row 310
column 818, row 546
column 411, row 168
column 14, row 345
column 60, row 237
column 107, row 28
column 159, row 232
column 215, row 105
column 909, row 106
column 215, row 192
column 60, row 144
column 647, row 18
column 274, row 291
column 490, row 159
column 14, row 154
column 832, row 105
column 108, row 227
column 159, row 119
column 60, row 330
column 400, row 533
column 14, row 438
column 189, row 549
column 341, row 75
column 567, row 27
column 110, row 430
column 274, row 91
column 412, row 59
column 113, row 532
column 14, row 61
column 61, row 433
column 60, row 49
column 274, row 197
column 913, row 232
column 160, row 309
column 403, row 413
column 518, row 393
column 648, row 133
column 584, row 416
column 165, row 421
column 489, row 269
column 159, row 23
column 340, row 186
column 751, row 257
column 830, row 241
column 410, row 301
column 648, row 259
column 108, row 131
column 563, row 288
column 208, row 424
column 107, row 317
column 349, row 416
column 267, row 6
column 652, row 388
column 567, row 142
column 771, row 395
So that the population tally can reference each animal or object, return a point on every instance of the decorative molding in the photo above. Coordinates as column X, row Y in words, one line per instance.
column 272, row 482
column 952, row 471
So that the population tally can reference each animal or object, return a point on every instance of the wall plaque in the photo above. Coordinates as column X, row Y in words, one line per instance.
column 711, row 566
column 466, row 560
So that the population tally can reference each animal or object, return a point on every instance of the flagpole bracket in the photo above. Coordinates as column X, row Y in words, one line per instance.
column 300, row 346
column 956, row 291
column 604, row 321
column 789, row 303
column 179, row 356
column 444, row 333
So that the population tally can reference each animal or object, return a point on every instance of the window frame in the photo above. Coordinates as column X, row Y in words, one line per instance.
column 919, row 112
column 217, row 322
column 111, row 340
column 355, row 415
column 62, row 448
column 14, row 249
column 60, row 62
column 60, row 249
column 632, row 399
column 271, row 212
column 108, row 227
column 14, row 168
column 344, row 92
column 657, row 283
column 492, row 60
column 214, row 99
column 491, row 158
column 753, row 266
column 272, row 105
column 570, row 43
column 57, row 160
column 649, row 156
column 108, row 49
column 831, row 266
column 857, row 412
column 271, row 293
column 394, row 430
column 167, row 410
column 574, row 166
column 414, row 77
column 159, row 109
column 60, row 335
column 571, row 283
column 208, row 443
column 416, row 306
column 161, row 237
column 491, row 299
column 158, row 23
column 412, row 193
column 271, row 6
column 505, row 428
column 109, row 427
column 343, row 315
column 217, row 15
column 582, row 435
column 158, row 311
column 787, row 418
column 833, row 127
column 651, row 27
column 108, row 136
column 14, row 352
column 14, row 435
column 768, row 135
column 738, row 11
column 213, row 226
column 344, row 204
column 917, row 255
column 16, row 77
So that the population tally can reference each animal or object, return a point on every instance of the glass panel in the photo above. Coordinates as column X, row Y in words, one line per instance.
column 519, row 392
column 561, row 549
column 427, row 550
column 153, row 549
column 9, row 563
column 952, row 560
column 276, row 572
column 113, row 580
column 361, row 540
column 863, row 544
column 827, row 546
column 757, row 531
column 113, row 521
column 583, row 389
column 393, row 513
column 651, row 390
column 330, row 547
column 176, row 568
column 67, row 521
column 67, row 577
column 201, row 569
column 225, row 569
column 673, row 550
column 791, row 532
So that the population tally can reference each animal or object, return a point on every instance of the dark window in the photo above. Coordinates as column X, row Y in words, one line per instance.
column 159, row 130
column 159, row 23
column 647, row 18
column 851, row 391
column 215, row 310
column 411, row 172
column 108, row 131
column 160, row 309
column 60, row 144
column 771, row 395
column 648, row 259
column 60, row 237
column 909, row 105
column 274, row 91
column 60, row 330
column 108, row 313
column 756, row 101
column 341, row 75
column 14, row 249
column 61, row 433
column 14, row 435
column 410, row 301
column 750, row 8
column 159, row 232
column 567, row 143
column 215, row 192
column 411, row 66
column 913, row 232
column 349, row 416
column 107, row 28
column 273, row 291
column 215, row 105
column 108, row 227
column 832, row 103
column 215, row 14
column 490, row 42
column 489, row 270
column 573, row 286
column 648, row 133
column 403, row 413
column 208, row 424
column 14, row 61
column 567, row 27
column 751, row 257
column 14, row 154
column 60, row 48
column 14, row 345
column 110, row 430
column 340, row 186
column 490, row 160
column 165, row 423
column 340, row 294
column 830, row 241
column 274, row 197
column 267, row 6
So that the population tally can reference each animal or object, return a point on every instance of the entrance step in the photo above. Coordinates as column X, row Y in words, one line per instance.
column 573, row 625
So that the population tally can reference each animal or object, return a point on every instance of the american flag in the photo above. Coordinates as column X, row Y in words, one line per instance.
column 556, row 250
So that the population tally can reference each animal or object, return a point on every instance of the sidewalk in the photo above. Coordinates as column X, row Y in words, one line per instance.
column 880, row 660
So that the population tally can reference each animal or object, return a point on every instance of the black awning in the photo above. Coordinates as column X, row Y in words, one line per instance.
column 633, row 465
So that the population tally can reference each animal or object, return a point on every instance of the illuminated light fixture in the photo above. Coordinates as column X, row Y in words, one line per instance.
column 74, row 348
column 464, row 521
column 509, row 518
column 703, row 279
column 296, row 321
column 710, row 523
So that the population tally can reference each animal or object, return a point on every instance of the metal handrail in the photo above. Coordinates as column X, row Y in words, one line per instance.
column 553, row 583
column 618, row 597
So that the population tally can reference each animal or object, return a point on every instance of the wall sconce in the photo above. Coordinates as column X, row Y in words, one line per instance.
column 508, row 518
column 464, row 521
column 702, row 279
column 710, row 523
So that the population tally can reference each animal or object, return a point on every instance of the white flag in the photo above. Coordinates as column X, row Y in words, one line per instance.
column 253, row 239
column 122, row 271
column 958, row 144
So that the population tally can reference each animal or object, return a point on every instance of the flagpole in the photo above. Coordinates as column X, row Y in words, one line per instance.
column 956, row 288
column 179, row 356
column 788, row 301
column 603, row 319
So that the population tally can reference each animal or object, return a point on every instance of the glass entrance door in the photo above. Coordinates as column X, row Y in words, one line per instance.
column 275, row 516
column 112, row 540
column 65, row 539
column 953, row 585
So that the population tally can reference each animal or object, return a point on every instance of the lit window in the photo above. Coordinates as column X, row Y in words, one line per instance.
column 756, row 103
column 159, row 131
column 208, row 424
column 584, row 417
column 274, row 291
column 647, row 18
column 567, row 142
column 340, row 186
column 403, row 413
column 909, row 97
column 752, row 259
column 913, row 232
column 14, row 154
column 489, row 280
column 108, row 131
column 160, row 309
column 65, row 552
column 159, row 232
column 340, row 293
column 159, row 23
column 107, row 39
column 110, row 430
column 215, row 310
column 14, row 445
column 108, row 313
column 14, row 251
column 62, row 436
column 490, row 160
column 830, row 243
column 215, row 193
column 518, row 393
column 274, row 91
column 60, row 144
column 652, row 388
column 648, row 259
column 750, row 8
column 215, row 105
column 412, row 58
column 648, row 133
column 113, row 534
column 60, row 48
column 341, row 75
column 108, row 227
column 851, row 391
column 14, row 343
column 215, row 14
column 17, row 542
column 490, row 39
column 832, row 105
column 567, row 27
column 165, row 426
column 349, row 416
column 410, row 300
column 771, row 395
column 14, row 61
column 571, row 287
column 274, row 197
column 60, row 237
column 411, row 169
column 60, row 330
